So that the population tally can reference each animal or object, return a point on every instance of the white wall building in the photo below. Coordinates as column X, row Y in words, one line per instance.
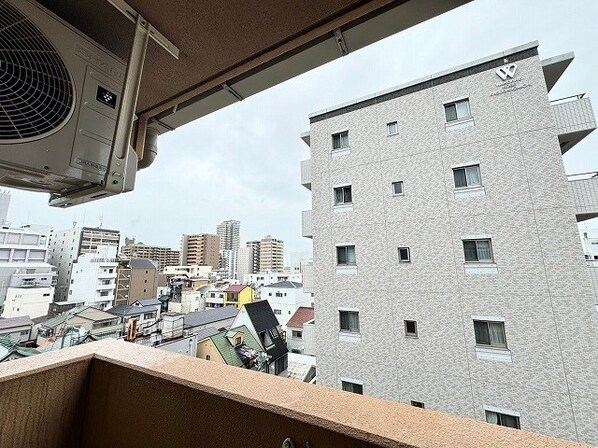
column 93, row 278
column 192, row 271
column 25, row 277
column 448, row 270
column 285, row 298
column 245, row 262
column 67, row 245
column 228, row 260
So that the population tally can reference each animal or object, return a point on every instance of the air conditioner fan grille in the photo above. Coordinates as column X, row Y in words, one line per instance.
column 36, row 91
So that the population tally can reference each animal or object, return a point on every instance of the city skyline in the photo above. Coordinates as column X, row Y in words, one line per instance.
column 242, row 162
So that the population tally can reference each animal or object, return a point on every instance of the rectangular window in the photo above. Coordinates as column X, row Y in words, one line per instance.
column 238, row 341
column 277, row 312
column 510, row 421
column 149, row 315
column 207, row 357
column 392, row 128
column 478, row 250
column 404, row 255
column 349, row 321
column 490, row 333
column 397, row 188
column 342, row 195
column 417, row 404
column 340, row 140
column 457, row 110
column 266, row 339
column 467, row 176
column 411, row 328
column 297, row 334
column 24, row 332
column 352, row 387
column 345, row 255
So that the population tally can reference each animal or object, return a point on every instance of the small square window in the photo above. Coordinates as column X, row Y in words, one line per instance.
column 397, row 188
column 417, row 404
column 345, row 255
column 392, row 128
column 467, row 176
column 411, row 328
column 349, row 321
column 457, row 111
column 489, row 333
column 478, row 250
column 340, row 140
column 404, row 255
column 352, row 387
column 342, row 195
column 207, row 357
column 496, row 418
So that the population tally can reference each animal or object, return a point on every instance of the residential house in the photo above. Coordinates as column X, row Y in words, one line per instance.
column 220, row 318
column 259, row 318
column 136, row 319
column 285, row 298
column 85, row 319
column 17, row 329
column 235, row 347
column 295, row 327
column 238, row 295
column 9, row 350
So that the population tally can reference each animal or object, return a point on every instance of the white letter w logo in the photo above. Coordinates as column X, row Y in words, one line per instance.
column 506, row 71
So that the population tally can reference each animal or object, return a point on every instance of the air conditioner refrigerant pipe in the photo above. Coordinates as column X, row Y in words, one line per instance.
column 150, row 149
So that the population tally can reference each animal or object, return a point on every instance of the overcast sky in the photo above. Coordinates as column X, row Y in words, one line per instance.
column 243, row 162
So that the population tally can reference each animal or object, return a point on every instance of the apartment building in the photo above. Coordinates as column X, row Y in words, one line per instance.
column 200, row 249
column 93, row 278
column 67, row 245
column 229, row 234
column 136, row 279
column 271, row 254
column 26, row 280
column 163, row 256
column 448, row 270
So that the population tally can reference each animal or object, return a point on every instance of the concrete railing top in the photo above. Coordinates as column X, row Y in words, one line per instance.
column 317, row 413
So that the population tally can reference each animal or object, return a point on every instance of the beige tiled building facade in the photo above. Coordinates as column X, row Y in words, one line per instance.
column 202, row 249
column 448, row 268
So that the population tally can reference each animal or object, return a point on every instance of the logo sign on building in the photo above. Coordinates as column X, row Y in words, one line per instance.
column 506, row 71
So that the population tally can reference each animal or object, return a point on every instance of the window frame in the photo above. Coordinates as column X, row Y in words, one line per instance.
column 409, row 334
column 297, row 334
column 418, row 404
column 348, row 386
column 467, row 181
column 394, row 191
column 499, row 419
column 454, row 103
column 402, row 260
column 389, row 124
column 347, row 263
column 476, row 241
column 339, row 134
column 356, row 330
column 490, row 344
column 343, row 189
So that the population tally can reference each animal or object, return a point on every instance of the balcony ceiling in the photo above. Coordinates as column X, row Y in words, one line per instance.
column 249, row 45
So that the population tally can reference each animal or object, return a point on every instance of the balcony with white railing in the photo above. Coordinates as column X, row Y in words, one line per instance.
column 306, row 173
column 574, row 120
column 584, row 190
column 306, row 224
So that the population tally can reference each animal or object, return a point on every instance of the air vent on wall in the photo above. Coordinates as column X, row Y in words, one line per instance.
column 36, row 91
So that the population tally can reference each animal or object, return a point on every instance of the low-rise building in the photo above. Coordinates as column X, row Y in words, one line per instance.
column 136, row 319
column 17, row 329
column 238, row 295
column 260, row 320
column 295, row 326
column 285, row 298
column 85, row 319
column 9, row 350
column 30, row 291
column 219, row 318
column 235, row 347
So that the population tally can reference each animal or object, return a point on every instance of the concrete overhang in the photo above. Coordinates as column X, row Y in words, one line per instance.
column 554, row 68
column 230, row 51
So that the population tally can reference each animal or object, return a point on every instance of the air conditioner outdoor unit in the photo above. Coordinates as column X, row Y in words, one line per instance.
column 60, row 96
